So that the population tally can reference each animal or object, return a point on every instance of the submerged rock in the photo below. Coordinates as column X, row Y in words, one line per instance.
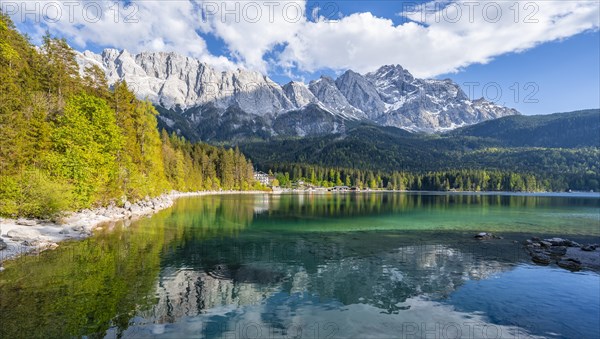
column 570, row 264
column 486, row 235
column 556, row 241
column 3, row 245
column 565, row 253
column 562, row 242
column 558, row 250
column 541, row 258
column 588, row 248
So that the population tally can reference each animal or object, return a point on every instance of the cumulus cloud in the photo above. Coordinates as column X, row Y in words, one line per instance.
column 251, row 29
column 436, row 37
column 170, row 26
column 439, row 38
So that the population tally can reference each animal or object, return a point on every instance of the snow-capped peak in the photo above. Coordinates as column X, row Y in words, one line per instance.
column 388, row 96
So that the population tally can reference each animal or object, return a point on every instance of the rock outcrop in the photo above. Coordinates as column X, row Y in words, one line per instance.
column 202, row 102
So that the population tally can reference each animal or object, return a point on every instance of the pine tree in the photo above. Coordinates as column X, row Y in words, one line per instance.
column 62, row 72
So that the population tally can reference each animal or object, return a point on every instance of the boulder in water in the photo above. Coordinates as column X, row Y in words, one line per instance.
column 486, row 235
column 570, row 264
column 588, row 248
column 558, row 250
column 541, row 258
column 562, row 242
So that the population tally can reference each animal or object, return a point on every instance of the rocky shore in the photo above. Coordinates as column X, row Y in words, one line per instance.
column 20, row 236
column 565, row 253
column 561, row 252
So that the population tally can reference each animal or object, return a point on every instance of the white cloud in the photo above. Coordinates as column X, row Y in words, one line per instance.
column 256, row 27
column 437, row 41
column 147, row 25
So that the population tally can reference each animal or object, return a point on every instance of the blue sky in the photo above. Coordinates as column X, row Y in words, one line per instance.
column 565, row 76
column 542, row 56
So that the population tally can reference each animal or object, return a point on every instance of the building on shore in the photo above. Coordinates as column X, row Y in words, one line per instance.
column 263, row 178
column 340, row 188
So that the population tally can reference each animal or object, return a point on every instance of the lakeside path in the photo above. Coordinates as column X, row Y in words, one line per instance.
column 23, row 236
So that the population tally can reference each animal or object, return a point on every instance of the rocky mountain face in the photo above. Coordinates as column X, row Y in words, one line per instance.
column 203, row 103
column 299, row 94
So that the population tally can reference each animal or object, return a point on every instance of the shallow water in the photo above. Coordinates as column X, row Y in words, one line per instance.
column 358, row 265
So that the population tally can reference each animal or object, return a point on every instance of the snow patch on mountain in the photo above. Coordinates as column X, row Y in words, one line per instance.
column 248, row 100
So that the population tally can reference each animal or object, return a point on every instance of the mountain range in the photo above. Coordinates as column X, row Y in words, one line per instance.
column 203, row 103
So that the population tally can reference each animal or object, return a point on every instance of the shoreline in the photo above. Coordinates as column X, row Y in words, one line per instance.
column 576, row 194
column 32, row 236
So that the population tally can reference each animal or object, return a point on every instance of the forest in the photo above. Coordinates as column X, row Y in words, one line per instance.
column 506, row 154
column 71, row 142
column 449, row 180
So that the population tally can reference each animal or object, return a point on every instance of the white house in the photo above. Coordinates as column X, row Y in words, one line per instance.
column 263, row 178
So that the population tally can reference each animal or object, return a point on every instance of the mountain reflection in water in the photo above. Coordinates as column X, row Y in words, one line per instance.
column 347, row 265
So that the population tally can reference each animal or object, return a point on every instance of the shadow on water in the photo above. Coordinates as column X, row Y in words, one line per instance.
column 345, row 264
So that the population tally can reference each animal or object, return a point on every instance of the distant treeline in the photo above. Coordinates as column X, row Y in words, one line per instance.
column 385, row 157
column 68, row 142
column 459, row 180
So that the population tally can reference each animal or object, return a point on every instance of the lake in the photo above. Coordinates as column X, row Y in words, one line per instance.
column 362, row 265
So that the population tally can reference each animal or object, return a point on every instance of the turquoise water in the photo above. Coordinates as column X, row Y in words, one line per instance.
column 379, row 265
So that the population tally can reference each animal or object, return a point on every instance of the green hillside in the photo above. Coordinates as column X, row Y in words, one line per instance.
column 571, row 159
column 573, row 129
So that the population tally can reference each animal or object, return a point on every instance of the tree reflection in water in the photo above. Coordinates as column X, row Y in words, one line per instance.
column 278, row 261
